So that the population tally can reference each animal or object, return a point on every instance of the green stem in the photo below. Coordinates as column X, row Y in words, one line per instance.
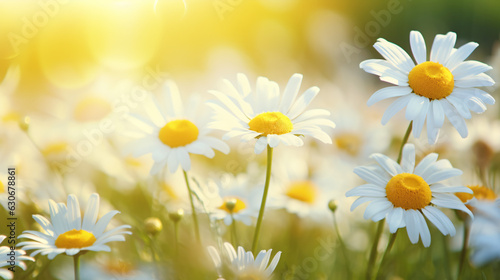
column 343, row 248
column 264, row 198
column 463, row 254
column 76, row 262
column 234, row 234
column 195, row 218
column 387, row 250
column 405, row 139
column 373, row 252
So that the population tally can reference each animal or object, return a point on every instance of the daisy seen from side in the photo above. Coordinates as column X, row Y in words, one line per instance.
column 405, row 194
column 445, row 86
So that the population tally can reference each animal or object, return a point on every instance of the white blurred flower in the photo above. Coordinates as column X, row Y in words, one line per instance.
column 485, row 233
column 243, row 264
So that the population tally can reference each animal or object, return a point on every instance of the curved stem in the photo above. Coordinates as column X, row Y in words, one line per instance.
column 373, row 252
column 465, row 247
column 76, row 263
column 387, row 250
column 405, row 139
column 343, row 248
column 195, row 218
column 264, row 198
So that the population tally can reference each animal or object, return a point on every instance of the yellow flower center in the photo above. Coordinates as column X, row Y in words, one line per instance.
column 238, row 205
column 431, row 80
column 408, row 191
column 304, row 191
column 119, row 267
column 178, row 133
column 75, row 239
column 349, row 142
column 479, row 192
column 2, row 187
column 55, row 149
column 91, row 109
column 11, row 117
column 271, row 123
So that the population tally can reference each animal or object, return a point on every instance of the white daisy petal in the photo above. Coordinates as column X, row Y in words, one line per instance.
column 377, row 210
column 456, row 120
column 469, row 68
column 389, row 165
column 290, row 93
column 302, row 102
column 395, row 219
column 480, row 80
column 418, row 48
column 395, row 54
column 425, row 234
column 415, row 105
column 412, row 225
column 371, row 175
column 395, row 107
column 388, row 92
column 367, row 190
column 438, row 113
column 408, row 159
column 440, row 220
column 442, row 46
column 460, row 55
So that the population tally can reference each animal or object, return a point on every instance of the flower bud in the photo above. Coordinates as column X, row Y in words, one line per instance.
column 153, row 225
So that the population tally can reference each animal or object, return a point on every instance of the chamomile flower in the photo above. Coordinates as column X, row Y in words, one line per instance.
column 479, row 194
column 444, row 86
column 232, row 198
column 243, row 264
column 485, row 233
column 171, row 134
column 67, row 233
column 5, row 260
column 267, row 115
column 404, row 193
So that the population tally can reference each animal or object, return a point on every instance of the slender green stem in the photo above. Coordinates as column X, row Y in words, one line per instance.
column 264, row 198
column 343, row 248
column 76, row 262
column 234, row 234
column 195, row 218
column 405, row 139
column 373, row 252
column 465, row 247
column 387, row 250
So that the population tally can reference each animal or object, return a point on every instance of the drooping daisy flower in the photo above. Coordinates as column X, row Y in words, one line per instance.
column 67, row 233
column 404, row 193
column 443, row 86
column 267, row 115
column 485, row 233
column 5, row 260
column 243, row 264
column 171, row 134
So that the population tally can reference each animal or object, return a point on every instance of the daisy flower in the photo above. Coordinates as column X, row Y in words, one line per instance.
column 232, row 198
column 267, row 115
column 170, row 134
column 404, row 193
column 444, row 86
column 485, row 233
column 479, row 194
column 243, row 264
column 67, row 233
column 5, row 260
